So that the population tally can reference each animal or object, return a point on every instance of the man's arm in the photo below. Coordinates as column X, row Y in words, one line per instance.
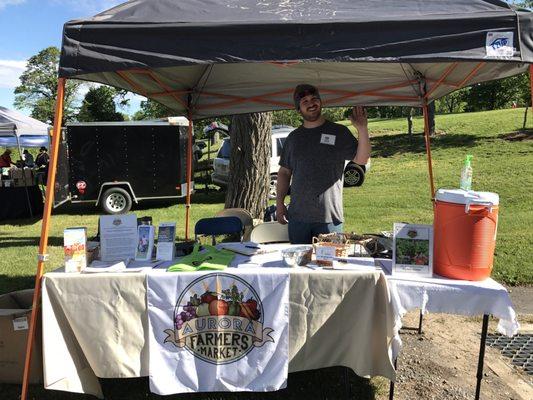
column 282, row 187
column 360, row 122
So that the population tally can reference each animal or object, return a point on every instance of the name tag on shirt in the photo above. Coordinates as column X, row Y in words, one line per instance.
column 327, row 139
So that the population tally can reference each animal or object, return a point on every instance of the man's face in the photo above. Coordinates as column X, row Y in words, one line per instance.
column 310, row 107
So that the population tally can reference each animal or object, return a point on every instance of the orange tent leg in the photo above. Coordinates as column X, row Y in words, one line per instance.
column 45, row 226
column 428, row 149
column 189, row 178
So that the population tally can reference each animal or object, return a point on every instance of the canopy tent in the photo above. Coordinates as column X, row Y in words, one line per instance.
column 212, row 57
column 19, row 130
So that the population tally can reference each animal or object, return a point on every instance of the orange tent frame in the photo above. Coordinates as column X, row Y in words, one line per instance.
column 231, row 100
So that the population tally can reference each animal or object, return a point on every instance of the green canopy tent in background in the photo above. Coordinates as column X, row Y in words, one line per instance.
column 212, row 57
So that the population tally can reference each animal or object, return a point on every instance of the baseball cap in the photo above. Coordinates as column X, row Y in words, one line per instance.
column 304, row 90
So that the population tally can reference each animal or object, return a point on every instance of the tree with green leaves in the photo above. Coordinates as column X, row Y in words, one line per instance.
column 38, row 87
column 451, row 103
column 497, row 94
column 99, row 104
column 151, row 109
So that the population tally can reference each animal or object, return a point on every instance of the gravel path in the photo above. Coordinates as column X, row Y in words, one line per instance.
column 442, row 362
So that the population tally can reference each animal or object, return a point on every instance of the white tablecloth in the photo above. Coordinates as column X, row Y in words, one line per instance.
column 95, row 325
column 435, row 294
column 442, row 295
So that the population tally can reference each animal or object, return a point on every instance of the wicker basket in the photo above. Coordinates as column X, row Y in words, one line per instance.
column 341, row 249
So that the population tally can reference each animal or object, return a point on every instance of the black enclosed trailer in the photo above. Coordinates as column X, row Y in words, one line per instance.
column 116, row 164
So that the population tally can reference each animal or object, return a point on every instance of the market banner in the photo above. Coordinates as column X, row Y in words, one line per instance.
column 218, row 331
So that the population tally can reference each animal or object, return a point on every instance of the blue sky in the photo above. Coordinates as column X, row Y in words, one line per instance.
column 28, row 26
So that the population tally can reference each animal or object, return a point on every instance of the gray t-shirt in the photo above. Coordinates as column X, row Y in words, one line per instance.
column 316, row 158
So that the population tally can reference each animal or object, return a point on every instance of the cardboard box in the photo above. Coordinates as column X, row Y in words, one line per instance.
column 15, row 314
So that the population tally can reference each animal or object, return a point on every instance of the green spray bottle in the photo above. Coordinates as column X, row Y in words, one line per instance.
column 466, row 174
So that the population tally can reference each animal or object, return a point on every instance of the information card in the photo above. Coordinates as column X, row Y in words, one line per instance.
column 413, row 250
column 118, row 237
column 165, row 241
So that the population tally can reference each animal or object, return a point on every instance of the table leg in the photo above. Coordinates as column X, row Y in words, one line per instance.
column 391, row 387
column 420, row 322
column 481, row 358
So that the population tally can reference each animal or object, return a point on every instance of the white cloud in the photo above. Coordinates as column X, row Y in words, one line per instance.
column 88, row 7
column 10, row 71
column 5, row 3
column 135, row 97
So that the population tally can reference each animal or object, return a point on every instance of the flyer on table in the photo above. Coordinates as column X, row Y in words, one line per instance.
column 118, row 237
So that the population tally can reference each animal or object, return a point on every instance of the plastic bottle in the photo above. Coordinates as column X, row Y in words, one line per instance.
column 466, row 174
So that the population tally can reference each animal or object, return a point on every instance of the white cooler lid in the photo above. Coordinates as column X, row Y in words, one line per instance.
column 460, row 196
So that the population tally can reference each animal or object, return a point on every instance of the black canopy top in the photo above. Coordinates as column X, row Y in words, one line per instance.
column 187, row 53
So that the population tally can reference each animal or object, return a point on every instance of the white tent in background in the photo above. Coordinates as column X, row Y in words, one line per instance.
column 19, row 130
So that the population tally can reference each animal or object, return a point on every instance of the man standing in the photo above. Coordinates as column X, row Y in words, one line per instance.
column 28, row 159
column 41, row 162
column 313, row 156
column 43, row 158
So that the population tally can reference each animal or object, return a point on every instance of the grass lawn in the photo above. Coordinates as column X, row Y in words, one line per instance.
column 396, row 190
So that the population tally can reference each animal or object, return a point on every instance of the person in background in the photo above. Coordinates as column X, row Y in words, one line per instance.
column 28, row 159
column 42, row 159
column 5, row 159
column 314, row 156
column 41, row 162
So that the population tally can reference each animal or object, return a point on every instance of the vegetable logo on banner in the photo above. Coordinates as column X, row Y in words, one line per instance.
column 219, row 319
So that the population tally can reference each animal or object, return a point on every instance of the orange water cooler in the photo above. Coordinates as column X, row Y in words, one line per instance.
column 465, row 228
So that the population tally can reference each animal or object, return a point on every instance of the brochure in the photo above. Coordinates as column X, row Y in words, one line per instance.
column 165, row 241
column 412, row 252
column 118, row 237
column 145, row 242
column 75, row 247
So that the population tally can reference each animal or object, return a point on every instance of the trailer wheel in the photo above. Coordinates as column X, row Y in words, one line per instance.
column 116, row 201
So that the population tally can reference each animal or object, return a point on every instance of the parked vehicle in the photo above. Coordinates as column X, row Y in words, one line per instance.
column 116, row 164
column 353, row 173
column 221, row 170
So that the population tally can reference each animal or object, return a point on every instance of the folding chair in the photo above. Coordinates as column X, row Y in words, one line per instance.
column 218, row 226
column 243, row 215
column 270, row 232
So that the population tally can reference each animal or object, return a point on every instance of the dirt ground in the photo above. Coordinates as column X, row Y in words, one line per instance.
column 442, row 362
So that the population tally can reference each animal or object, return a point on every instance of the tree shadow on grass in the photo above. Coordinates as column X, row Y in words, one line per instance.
column 10, row 283
column 200, row 197
column 518, row 136
column 16, row 241
column 21, row 221
column 390, row 145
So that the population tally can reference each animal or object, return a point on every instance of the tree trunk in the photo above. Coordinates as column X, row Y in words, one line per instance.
column 248, row 185
column 410, row 121
column 525, row 119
